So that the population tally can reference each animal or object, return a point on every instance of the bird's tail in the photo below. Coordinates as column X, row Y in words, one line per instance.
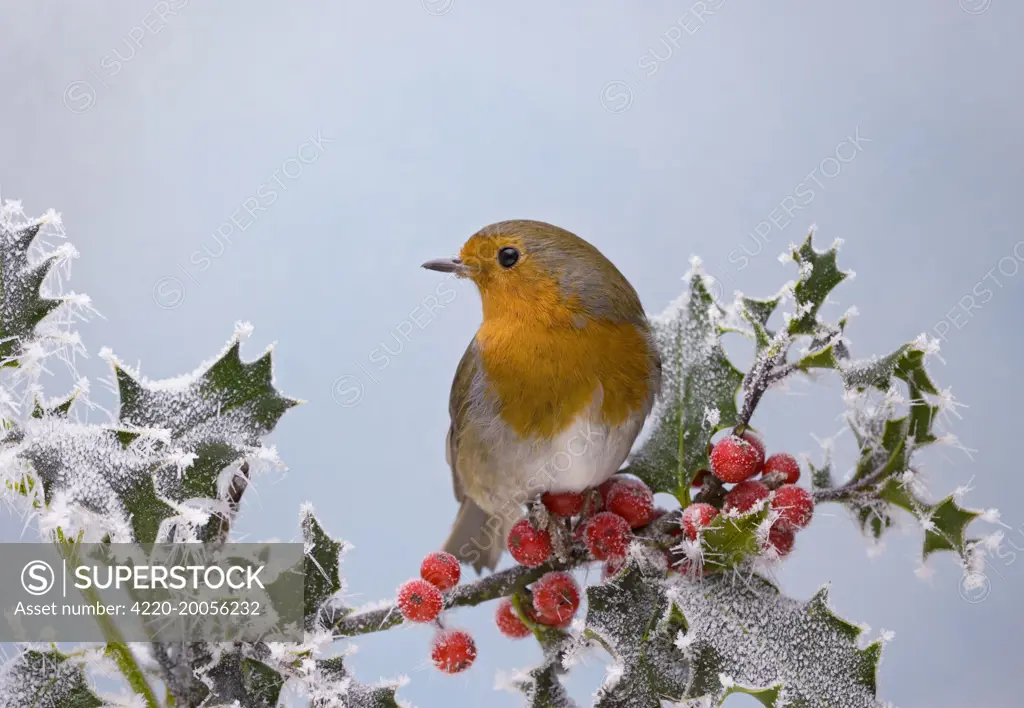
column 478, row 538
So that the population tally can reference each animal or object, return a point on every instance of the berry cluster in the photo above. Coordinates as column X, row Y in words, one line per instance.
column 421, row 600
column 736, row 460
column 602, row 519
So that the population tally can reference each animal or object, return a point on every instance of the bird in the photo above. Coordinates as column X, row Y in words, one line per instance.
column 554, row 387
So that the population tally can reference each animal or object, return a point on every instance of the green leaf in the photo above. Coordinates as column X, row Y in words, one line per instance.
column 541, row 685
column 889, row 454
column 218, row 414
column 749, row 634
column 106, row 470
column 922, row 414
column 333, row 681
column 876, row 371
column 55, row 409
column 945, row 521
column 22, row 307
column 699, row 379
column 758, row 312
column 729, row 540
column 45, row 679
column 630, row 616
column 236, row 679
column 821, row 477
column 765, row 696
column 819, row 275
column 320, row 568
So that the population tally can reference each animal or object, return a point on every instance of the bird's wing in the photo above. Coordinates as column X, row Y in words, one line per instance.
column 458, row 405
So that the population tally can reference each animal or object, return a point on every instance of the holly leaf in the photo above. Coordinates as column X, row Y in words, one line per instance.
column 216, row 416
column 236, row 679
column 22, row 304
column 819, row 275
column 322, row 572
column 765, row 696
column 746, row 634
column 106, row 470
column 757, row 313
column 541, row 686
column 698, row 396
column 631, row 617
column 728, row 540
column 332, row 682
column 945, row 521
column 45, row 679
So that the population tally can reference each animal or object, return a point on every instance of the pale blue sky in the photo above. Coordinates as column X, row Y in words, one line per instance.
column 445, row 117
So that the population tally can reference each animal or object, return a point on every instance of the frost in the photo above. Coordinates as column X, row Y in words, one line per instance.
column 45, row 678
column 759, row 639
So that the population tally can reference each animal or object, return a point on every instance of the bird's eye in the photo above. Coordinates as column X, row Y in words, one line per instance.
column 508, row 257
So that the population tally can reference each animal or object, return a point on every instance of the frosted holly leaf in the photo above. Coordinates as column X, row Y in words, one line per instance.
column 945, row 521
column 757, row 313
column 630, row 615
column 45, row 679
column 541, row 687
column 22, row 305
column 728, row 540
column 322, row 572
column 765, row 696
column 105, row 470
column 234, row 677
column 218, row 414
column 54, row 409
column 888, row 455
column 334, row 687
column 912, row 371
column 876, row 372
column 819, row 275
column 744, row 633
column 698, row 396
column 821, row 477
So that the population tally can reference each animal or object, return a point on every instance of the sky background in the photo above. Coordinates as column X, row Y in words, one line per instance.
column 651, row 133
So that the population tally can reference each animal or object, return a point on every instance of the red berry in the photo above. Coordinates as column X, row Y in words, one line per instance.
column 453, row 651
column 607, row 535
column 780, row 537
column 556, row 597
column 508, row 620
column 735, row 459
column 698, row 479
column 794, row 504
column 529, row 546
column 696, row 517
column 745, row 495
column 419, row 601
column 758, row 442
column 441, row 570
column 634, row 502
column 783, row 462
column 565, row 504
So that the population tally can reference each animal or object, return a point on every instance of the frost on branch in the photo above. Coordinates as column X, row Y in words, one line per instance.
column 698, row 379
column 630, row 615
column 745, row 635
column 45, row 679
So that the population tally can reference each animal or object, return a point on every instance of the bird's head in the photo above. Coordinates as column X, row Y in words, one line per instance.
column 530, row 269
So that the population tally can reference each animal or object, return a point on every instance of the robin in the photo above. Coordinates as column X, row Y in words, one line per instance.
column 555, row 386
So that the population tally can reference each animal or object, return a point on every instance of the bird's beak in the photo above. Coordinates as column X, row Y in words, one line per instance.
column 447, row 265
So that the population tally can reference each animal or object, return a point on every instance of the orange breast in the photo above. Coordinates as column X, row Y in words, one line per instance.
column 545, row 376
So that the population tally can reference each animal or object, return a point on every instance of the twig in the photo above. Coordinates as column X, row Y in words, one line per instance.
column 502, row 584
column 851, row 488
